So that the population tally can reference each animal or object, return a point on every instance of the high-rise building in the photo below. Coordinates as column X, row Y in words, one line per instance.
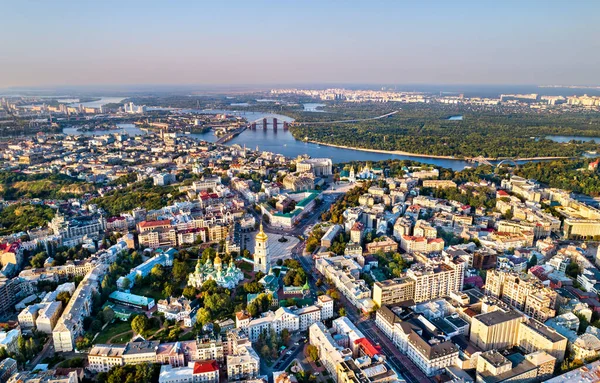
column 522, row 291
column 261, row 252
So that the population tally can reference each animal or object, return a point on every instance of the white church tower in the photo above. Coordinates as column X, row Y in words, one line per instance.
column 261, row 252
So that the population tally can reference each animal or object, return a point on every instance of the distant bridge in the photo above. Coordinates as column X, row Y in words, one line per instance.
column 484, row 161
column 481, row 160
column 345, row 121
column 265, row 122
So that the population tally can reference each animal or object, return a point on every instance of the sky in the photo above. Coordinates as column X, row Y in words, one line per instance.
column 75, row 43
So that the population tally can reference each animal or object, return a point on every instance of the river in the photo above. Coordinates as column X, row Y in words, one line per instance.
column 564, row 139
column 99, row 103
column 281, row 141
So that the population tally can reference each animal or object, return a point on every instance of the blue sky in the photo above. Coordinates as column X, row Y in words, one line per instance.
column 47, row 43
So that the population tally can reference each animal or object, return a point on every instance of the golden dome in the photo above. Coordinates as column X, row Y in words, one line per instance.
column 218, row 260
column 261, row 236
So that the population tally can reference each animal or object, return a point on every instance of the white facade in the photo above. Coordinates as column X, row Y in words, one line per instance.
column 261, row 252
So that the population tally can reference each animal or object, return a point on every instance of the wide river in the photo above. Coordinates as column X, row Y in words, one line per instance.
column 279, row 141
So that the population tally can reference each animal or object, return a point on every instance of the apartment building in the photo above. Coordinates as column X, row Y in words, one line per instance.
column 103, row 357
column 281, row 319
column 402, row 227
column 139, row 352
column 437, row 279
column 393, row 291
column 48, row 317
column 330, row 352
column 8, row 293
column 70, row 324
column 28, row 315
column 384, row 244
column 345, row 274
column 431, row 356
column 524, row 292
column 439, row 184
column 496, row 330
column 500, row 330
column 242, row 361
column 412, row 244
column 493, row 367
column 178, row 354
column 210, row 348
column 535, row 336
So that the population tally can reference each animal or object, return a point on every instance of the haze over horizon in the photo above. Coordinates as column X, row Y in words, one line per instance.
column 68, row 43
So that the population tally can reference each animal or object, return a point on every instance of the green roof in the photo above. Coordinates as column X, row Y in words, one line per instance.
column 307, row 200
column 131, row 299
column 289, row 215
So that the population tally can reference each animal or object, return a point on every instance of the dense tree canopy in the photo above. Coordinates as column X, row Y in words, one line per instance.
column 425, row 129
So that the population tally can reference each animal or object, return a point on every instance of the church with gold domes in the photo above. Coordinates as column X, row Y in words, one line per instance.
column 227, row 278
column 262, row 260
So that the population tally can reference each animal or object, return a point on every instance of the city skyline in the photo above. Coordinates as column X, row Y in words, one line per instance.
column 268, row 43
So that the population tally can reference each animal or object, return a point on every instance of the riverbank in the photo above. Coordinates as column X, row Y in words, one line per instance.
column 441, row 157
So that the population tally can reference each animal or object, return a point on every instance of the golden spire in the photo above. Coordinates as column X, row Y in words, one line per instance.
column 261, row 236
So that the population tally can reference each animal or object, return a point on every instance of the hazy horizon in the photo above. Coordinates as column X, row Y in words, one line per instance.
column 263, row 43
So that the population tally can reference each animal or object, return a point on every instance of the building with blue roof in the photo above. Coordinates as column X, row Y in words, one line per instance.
column 163, row 258
column 132, row 300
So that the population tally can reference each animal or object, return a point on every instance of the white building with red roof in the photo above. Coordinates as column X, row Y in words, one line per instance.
column 195, row 372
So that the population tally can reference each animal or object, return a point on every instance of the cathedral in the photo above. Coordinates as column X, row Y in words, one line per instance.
column 261, row 252
column 228, row 278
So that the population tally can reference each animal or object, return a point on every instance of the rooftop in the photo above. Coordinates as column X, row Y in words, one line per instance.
column 499, row 316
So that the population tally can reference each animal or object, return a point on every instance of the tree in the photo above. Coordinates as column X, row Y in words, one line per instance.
column 285, row 335
column 299, row 279
column 168, row 290
column 333, row 294
column 532, row 262
column 38, row 260
column 190, row 292
column 312, row 352
column 3, row 353
column 342, row 312
column 96, row 326
column 139, row 324
column 157, row 272
column 253, row 309
column 136, row 258
column 203, row 316
column 82, row 343
column 108, row 314
column 573, row 270
column 126, row 283
column 217, row 304
column 64, row 297
column 180, row 270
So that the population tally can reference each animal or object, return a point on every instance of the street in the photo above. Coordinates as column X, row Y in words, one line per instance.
column 397, row 360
